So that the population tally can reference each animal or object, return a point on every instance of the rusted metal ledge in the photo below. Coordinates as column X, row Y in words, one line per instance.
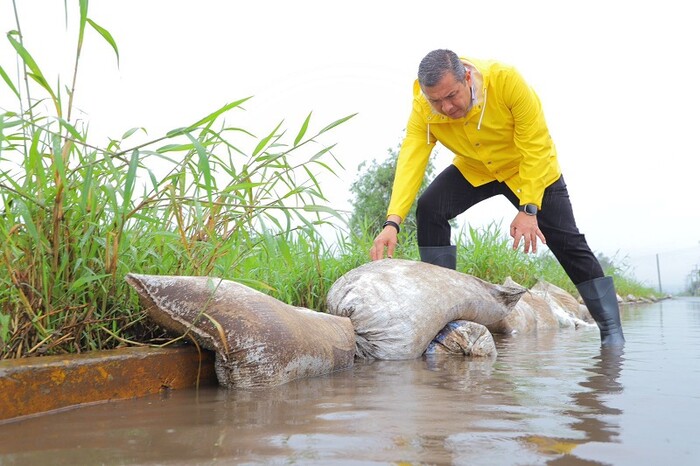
column 37, row 385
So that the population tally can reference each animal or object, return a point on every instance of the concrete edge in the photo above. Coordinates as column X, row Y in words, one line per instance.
column 31, row 386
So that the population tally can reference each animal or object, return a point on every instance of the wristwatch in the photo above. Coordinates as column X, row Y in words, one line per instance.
column 529, row 209
column 393, row 224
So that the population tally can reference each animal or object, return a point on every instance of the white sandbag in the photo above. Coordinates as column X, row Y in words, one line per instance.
column 465, row 338
column 398, row 306
column 259, row 341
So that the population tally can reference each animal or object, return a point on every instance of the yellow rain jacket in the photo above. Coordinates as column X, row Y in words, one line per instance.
column 503, row 137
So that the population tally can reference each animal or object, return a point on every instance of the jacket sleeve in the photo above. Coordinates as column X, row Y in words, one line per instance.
column 531, row 138
column 410, row 166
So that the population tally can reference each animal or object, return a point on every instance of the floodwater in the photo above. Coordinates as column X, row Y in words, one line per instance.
column 553, row 398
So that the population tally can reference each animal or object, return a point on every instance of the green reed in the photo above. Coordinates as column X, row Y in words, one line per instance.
column 75, row 217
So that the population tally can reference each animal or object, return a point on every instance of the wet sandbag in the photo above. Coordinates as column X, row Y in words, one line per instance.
column 530, row 314
column 465, row 338
column 259, row 341
column 565, row 307
column 398, row 306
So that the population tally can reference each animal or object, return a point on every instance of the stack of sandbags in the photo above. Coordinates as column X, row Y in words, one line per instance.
column 387, row 309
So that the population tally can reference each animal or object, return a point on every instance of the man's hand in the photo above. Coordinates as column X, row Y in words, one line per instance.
column 386, row 239
column 525, row 227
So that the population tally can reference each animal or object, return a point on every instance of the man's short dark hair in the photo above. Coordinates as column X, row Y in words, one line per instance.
column 436, row 64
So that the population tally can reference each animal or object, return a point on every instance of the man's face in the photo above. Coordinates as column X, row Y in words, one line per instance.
column 450, row 97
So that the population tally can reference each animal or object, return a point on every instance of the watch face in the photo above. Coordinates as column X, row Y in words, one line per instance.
column 530, row 209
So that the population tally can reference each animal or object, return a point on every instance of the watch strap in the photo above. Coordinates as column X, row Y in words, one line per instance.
column 393, row 224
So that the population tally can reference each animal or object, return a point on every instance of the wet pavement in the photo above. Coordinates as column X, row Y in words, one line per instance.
column 553, row 398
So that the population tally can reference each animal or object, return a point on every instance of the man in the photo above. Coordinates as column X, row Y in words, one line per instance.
column 490, row 118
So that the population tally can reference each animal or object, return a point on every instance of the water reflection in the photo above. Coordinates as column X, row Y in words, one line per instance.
column 592, row 414
column 599, row 422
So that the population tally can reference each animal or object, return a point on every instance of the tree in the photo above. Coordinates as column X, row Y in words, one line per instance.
column 372, row 192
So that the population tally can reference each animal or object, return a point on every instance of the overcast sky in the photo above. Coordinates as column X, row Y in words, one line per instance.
column 618, row 81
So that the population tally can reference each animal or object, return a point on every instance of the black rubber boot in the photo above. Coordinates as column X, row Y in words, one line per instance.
column 601, row 300
column 444, row 256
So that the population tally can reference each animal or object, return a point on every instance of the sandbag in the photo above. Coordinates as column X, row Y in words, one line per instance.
column 259, row 341
column 546, row 319
column 521, row 320
column 565, row 307
column 531, row 313
column 465, row 338
column 398, row 306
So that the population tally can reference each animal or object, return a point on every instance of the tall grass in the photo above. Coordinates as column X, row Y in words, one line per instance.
column 75, row 217
column 488, row 254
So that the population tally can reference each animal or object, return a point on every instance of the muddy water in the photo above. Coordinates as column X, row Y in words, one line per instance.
column 552, row 398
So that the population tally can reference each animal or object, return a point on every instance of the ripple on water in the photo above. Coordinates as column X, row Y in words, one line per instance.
column 343, row 415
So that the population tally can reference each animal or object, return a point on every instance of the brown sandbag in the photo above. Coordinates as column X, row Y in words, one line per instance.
column 259, row 341
column 398, row 306
column 564, row 306
column 522, row 319
column 543, row 312
column 531, row 313
column 465, row 338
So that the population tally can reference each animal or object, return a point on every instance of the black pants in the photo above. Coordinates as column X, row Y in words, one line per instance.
column 450, row 194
